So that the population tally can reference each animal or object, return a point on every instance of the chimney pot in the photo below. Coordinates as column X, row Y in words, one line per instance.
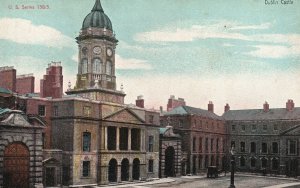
column 266, row 107
column 139, row 101
column 290, row 105
column 226, row 107
column 210, row 107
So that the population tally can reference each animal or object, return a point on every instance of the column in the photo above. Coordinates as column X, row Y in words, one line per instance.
column 119, row 173
column 130, row 170
column 105, row 138
column 129, row 139
column 118, row 139
column 142, row 137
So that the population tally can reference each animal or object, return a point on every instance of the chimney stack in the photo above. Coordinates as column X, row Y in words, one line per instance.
column 290, row 105
column 210, row 107
column 226, row 107
column 161, row 109
column 140, row 101
column 266, row 107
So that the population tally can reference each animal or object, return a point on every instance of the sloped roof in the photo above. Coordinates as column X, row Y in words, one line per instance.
column 4, row 90
column 259, row 114
column 188, row 110
column 4, row 110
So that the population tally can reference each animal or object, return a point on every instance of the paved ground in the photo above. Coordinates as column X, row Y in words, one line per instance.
column 241, row 181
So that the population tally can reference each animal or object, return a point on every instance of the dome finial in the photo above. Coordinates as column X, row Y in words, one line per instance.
column 97, row 6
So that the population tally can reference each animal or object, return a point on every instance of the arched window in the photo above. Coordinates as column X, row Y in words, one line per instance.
column 97, row 66
column 108, row 68
column 275, row 164
column 242, row 161
column 86, row 144
column 84, row 66
column 253, row 162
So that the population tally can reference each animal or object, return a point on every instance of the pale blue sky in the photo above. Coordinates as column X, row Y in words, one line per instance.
column 236, row 52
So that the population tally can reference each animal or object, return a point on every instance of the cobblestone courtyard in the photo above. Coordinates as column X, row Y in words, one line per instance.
column 241, row 181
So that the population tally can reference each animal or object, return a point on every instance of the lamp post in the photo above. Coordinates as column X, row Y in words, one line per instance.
column 232, row 161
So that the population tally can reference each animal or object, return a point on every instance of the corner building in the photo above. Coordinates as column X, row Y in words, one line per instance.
column 102, row 139
column 265, row 140
column 203, row 136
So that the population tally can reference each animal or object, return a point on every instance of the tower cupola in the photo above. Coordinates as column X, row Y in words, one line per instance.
column 97, row 18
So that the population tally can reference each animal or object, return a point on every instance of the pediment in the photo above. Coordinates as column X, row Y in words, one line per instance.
column 16, row 119
column 292, row 131
column 125, row 116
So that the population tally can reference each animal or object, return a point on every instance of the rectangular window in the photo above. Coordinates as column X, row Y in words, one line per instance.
column 275, row 127
column 274, row 147
column 292, row 147
column 242, row 147
column 206, row 144
column 150, row 144
column 194, row 144
column 253, row 147
column 55, row 110
column 123, row 141
column 200, row 144
column 42, row 110
column 265, row 127
column 87, row 111
column 111, row 138
column 86, row 168
column 232, row 144
column 150, row 165
column 86, row 141
column 151, row 118
column 180, row 123
column 253, row 127
column 135, row 139
column 211, row 144
column 243, row 128
column 264, row 147
column 217, row 146
column 233, row 127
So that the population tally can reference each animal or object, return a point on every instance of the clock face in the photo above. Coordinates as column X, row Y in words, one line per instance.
column 109, row 52
column 97, row 50
column 84, row 50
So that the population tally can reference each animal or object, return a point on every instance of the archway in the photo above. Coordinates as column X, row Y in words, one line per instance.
column 125, row 170
column 169, row 162
column 16, row 166
column 136, row 169
column 112, row 170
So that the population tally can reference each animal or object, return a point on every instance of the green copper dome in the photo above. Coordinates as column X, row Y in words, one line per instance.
column 97, row 18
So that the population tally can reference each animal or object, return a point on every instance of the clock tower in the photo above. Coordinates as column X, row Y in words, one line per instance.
column 96, row 58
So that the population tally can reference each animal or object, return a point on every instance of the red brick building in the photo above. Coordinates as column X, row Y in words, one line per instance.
column 203, row 137
column 52, row 83
column 173, row 103
column 8, row 78
column 25, row 84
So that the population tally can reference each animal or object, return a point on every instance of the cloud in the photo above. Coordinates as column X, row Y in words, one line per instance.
column 197, row 90
column 270, row 51
column 222, row 29
column 269, row 45
column 25, row 32
column 122, row 63
column 75, row 57
column 251, row 27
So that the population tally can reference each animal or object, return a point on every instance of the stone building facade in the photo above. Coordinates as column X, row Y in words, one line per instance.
column 265, row 139
column 21, row 151
column 170, row 155
column 203, row 137
column 102, row 139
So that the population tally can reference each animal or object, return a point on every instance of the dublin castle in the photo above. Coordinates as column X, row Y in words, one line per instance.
column 90, row 137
